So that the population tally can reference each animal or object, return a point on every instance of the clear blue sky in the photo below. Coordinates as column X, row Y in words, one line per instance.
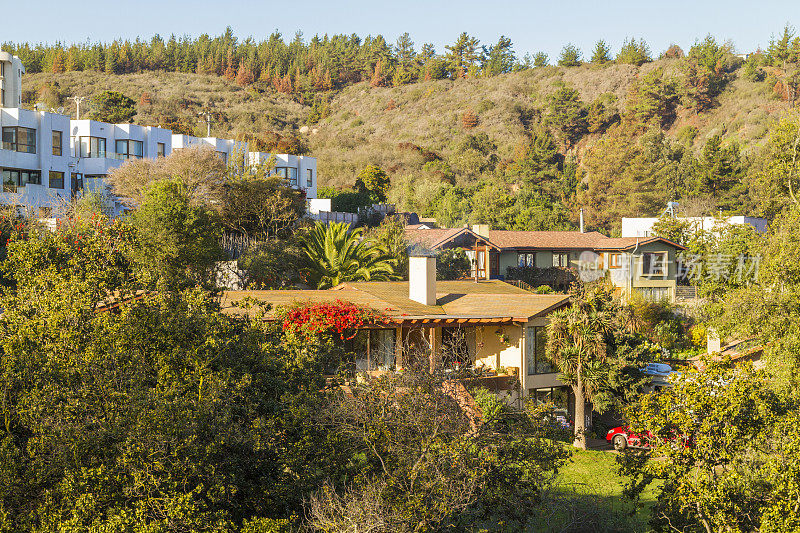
column 532, row 25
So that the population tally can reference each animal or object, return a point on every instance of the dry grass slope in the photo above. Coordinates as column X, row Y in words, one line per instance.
column 366, row 124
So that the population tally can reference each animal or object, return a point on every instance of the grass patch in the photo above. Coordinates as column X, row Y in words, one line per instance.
column 587, row 496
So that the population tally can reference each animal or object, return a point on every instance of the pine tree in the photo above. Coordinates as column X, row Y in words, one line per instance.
column 570, row 56
column 601, row 53
column 462, row 54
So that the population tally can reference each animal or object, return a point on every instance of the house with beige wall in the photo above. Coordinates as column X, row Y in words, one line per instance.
column 488, row 330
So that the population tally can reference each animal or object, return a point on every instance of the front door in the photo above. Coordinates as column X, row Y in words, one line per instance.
column 494, row 262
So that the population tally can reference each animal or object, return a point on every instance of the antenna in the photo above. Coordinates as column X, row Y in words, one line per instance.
column 78, row 100
column 208, row 115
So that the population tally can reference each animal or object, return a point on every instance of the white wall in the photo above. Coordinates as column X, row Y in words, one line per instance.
column 41, row 195
column 643, row 227
column 11, row 80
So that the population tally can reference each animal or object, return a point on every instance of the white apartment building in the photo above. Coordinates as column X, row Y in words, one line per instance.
column 643, row 227
column 299, row 170
column 11, row 71
column 46, row 159
column 36, row 162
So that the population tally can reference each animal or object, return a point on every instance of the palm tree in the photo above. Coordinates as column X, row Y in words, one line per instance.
column 335, row 253
column 577, row 343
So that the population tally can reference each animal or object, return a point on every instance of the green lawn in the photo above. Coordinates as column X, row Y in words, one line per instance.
column 588, row 497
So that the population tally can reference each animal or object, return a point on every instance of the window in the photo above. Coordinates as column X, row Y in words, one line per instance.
column 56, row 180
column 288, row 173
column 654, row 263
column 526, row 260
column 223, row 156
column 127, row 149
column 615, row 260
column 14, row 178
column 19, row 139
column 77, row 182
column 93, row 147
column 309, row 178
column 374, row 349
column 57, row 144
column 161, row 150
column 560, row 259
column 535, row 358
column 654, row 294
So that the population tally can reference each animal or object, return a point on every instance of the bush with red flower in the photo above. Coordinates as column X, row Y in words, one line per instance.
column 307, row 321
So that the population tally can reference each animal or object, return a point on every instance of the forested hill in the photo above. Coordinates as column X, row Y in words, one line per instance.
column 523, row 148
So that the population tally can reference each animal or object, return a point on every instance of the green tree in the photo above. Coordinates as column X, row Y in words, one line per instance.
column 634, row 53
column 570, row 56
column 706, row 69
column 719, row 167
column 462, row 55
column 499, row 57
column 336, row 253
column 372, row 181
column 112, row 107
column 540, row 59
column 578, row 339
column 452, row 264
column 706, row 431
column 406, row 56
column 177, row 241
column 653, row 98
column 779, row 50
column 601, row 53
column 567, row 113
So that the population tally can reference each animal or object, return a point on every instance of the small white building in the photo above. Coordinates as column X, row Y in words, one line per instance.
column 11, row 71
column 299, row 170
column 643, row 227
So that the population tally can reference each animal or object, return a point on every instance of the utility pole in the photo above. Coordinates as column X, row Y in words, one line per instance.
column 207, row 115
column 78, row 100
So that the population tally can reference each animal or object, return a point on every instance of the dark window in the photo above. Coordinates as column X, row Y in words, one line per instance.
column 535, row 358
column 654, row 263
column 309, row 178
column 526, row 260
column 19, row 139
column 56, row 180
column 57, row 142
column 161, row 150
column 127, row 149
column 287, row 173
column 13, row 178
column 560, row 259
column 93, row 147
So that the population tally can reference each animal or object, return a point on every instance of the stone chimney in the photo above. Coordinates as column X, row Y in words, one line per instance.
column 422, row 279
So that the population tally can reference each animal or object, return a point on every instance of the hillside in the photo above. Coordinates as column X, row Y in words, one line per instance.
column 402, row 128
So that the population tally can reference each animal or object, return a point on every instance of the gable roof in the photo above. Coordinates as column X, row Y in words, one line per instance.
column 457, row 301
column 533, row 240
column 435, row 238
column 550, row 240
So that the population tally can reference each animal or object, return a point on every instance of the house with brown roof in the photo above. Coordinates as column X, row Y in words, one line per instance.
column 491, row 327
column 647, row 265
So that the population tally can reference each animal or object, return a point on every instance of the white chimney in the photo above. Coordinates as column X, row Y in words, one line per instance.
column 713, row 342
column 581, row 220
column 422, row 279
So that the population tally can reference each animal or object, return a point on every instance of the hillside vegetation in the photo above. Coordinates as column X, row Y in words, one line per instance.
column 523, row 149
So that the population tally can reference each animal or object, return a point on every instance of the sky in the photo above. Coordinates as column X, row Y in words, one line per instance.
column 532, row 25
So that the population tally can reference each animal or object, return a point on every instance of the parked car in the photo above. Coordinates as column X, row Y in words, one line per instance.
column 621, row 437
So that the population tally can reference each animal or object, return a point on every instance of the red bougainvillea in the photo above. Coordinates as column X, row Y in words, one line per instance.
column 336, row 318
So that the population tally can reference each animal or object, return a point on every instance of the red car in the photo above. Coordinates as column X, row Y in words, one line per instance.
column 621, row 438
